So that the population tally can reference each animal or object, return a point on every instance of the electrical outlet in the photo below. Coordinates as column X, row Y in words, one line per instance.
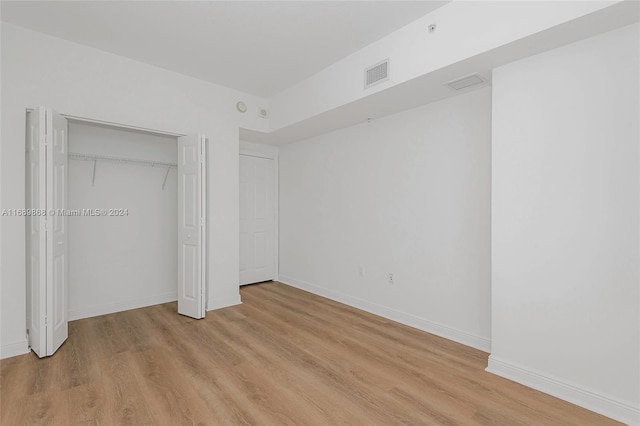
column 390, row 277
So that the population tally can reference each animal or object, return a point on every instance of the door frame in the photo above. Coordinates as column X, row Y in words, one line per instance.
column 251, row 149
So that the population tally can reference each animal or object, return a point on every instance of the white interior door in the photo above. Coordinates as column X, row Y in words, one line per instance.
column 36, row 179
column 47, row 259
column 257, row 219
column 57, row 235
column 191, row 225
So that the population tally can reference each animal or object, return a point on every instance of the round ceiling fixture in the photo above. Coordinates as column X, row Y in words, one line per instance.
column 241, row 107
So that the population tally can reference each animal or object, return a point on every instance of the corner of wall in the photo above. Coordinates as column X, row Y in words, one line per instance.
column 606, row 405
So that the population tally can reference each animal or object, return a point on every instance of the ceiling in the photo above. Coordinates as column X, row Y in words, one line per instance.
column 259, row 47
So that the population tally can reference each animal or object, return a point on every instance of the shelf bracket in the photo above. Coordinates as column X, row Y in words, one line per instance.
column 93, row 180
column 166, row 175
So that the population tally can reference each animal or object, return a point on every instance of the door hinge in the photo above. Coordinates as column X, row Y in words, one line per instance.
column 46, row 321
column 201, row 221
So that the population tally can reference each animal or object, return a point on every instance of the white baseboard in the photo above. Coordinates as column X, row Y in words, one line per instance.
column 224, row 302
column 14, row 349
column 622, row 411
column 423, row 324
column 110, row 308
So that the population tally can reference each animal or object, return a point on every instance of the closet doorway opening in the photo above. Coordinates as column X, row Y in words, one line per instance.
column 128, row 257
column 125, row 222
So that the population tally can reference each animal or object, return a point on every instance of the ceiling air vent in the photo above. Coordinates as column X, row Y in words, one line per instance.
column 376, row 74
column 464, row 82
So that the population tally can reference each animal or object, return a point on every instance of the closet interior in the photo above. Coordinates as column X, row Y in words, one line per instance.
column 128, row 257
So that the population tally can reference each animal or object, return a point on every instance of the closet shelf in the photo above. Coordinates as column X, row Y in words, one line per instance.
column 96, row 158
column 91, row 157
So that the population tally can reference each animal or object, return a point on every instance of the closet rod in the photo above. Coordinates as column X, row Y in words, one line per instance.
column 91, row 157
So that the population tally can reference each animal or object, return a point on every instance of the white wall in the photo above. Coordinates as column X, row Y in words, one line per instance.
column 565, row 223
column 81, row 81
column 121, row 262
column 407, row 194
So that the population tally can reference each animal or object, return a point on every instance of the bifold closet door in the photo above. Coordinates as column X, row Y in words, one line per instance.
column 47, row 258
column 191, row 225
column 36, row 186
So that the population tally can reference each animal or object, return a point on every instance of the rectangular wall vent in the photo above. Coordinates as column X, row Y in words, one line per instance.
column 376, row 74
column 464, row 82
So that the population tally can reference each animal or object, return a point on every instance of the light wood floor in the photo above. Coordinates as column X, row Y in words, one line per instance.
column 283, row 357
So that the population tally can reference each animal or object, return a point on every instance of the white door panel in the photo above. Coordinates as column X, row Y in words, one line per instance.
column 36, row 233
column 47, row 258
column 191, row 225
column 257, row 219
column 57, row 236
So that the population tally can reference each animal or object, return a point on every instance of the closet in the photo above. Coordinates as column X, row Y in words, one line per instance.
column 118, row 222
column 128, row 257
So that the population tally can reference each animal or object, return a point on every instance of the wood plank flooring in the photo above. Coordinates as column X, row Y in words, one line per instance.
column 283, row 357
